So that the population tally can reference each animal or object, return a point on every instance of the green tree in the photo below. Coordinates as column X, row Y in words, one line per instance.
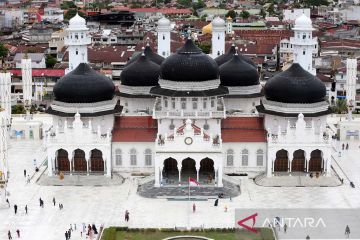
column 184, row 3
column 50, row 61
column 271, row 9
column 262, row 13
column 71, row 13
column 3, row 52
column 315, row 3
column 245, row 14
column 18, row 109
column 205, row 47
column 67, row 5
column 231, row 13
column 340, row 106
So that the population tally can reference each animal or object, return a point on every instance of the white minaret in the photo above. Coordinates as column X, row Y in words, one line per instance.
column 351, row 71
column 229, row 25
column 163, row 30
column 5, row 94
column 3, row 155
column 26, row 75
column 218, row 37
column 303, row 43
column 77, row 40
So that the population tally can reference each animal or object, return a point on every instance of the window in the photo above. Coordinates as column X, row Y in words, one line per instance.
column 212, row 103
column 82, row 35
column 259, row 157
column 194, row 103
column 230, row 157
column 165, row 102
column 304, row 36
column 133, row 157
column 244, row 157
column 183, row 103
column 148, row 157
column 76, row 36
column 204, row 103
column 118, row 157
column 303, row 52
column 173, row 103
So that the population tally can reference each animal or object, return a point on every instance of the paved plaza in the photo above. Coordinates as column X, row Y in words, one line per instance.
column 107, row 204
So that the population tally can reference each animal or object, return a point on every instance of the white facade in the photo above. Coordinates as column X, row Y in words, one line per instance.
column 78, row 137
column 5, row 94
column 3, row 155
column 303, row 43
column 26, row 75
column 351, row 71
column 292, row 14
column 163, row 33
column 14, row 18
column 218, row 37
column 303, row 138
column 77, row 40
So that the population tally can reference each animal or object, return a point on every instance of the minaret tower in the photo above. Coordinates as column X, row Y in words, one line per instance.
column 303, row 43
column 77, row 40
column 164, row 28
column 351, row 71
column 26, row 73
column 218, row 37
column 5, row 94
column 229, row 26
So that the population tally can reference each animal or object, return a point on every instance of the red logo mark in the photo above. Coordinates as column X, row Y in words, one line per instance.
column 251, row 229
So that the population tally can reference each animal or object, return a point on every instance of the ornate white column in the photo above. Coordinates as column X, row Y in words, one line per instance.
column 327, row 160
column 161, row 176
column 179, row 169
column 157, row 173
column 220, row 173
column 197, row 170
column 108, row 164
column 307, row 159
column 50, row 163
column 87, row 158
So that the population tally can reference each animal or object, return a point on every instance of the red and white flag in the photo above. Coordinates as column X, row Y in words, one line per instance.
column 193, row 182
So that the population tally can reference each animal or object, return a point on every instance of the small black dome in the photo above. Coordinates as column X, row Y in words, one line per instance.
column 142, row 72
column 189, row 64
column 295, row 85
column 156, row 58
column 83, row 85
column 229, row 54
column 237, row 72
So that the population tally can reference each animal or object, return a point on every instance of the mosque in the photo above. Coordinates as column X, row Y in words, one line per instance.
column 182, row 114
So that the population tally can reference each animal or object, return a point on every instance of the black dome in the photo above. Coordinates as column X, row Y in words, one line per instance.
column 156, row 58
column 190, row 64
column 295, row 85
column 83, row 85
column 237, row 72
column 142, row 72
column 228, row 56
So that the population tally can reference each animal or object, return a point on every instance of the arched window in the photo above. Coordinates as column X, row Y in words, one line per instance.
column 230, row 157
column 148, row 157
column 133, row 157
column 259, row 157
column 244, row 157
column 118, row 157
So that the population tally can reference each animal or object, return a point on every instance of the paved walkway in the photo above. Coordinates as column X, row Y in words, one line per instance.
column 107, row 204
column 80, row 180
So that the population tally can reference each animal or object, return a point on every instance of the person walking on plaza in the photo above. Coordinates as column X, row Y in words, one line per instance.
column 26, row 209
column 54, row 201
column 347, row 146
column 94, row 228
column 225, row 208
column 194, row 208
column 24, row 172
column 15, row 208
column 127, row 216
column 9, row 235
column 285, row 228
column 66, row 235
column 7, row 200
column 69, row 233
column 216, row 202
column 347, row 231
column 343, row 146
column 18, row 233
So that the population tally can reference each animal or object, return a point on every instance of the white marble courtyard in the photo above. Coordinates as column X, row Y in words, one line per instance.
column 106, row 205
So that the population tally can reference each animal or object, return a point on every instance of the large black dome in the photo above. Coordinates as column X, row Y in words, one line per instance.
column 83, row 85
column 142, row 72
column 229, row 54
column 295, row 85
column 237, row 72
column 189, row 64
column 156, row 58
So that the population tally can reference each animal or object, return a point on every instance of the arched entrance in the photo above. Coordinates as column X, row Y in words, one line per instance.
column 79, row 161
column 316, row 161
column 281, row 163
column 170, row 171
column 188, row 169
column 96, row 161
column 207, row 171
column 62, row 161
column 298, row 162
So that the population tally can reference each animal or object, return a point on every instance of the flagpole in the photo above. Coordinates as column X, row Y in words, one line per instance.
column 188, row 217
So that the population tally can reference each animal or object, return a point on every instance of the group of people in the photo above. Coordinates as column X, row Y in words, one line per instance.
column 89, row 230
column 17, row 233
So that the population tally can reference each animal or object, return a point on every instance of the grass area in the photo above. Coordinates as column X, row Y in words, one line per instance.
column 114, row 233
